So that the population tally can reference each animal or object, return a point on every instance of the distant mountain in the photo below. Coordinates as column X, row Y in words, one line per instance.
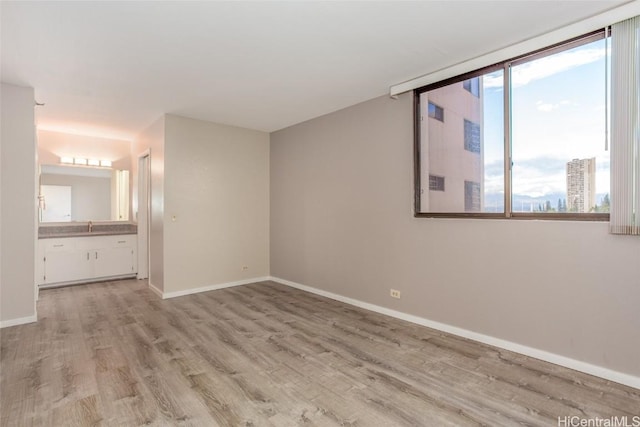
column 494, row 202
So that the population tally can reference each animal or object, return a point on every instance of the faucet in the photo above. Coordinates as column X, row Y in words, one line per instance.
column 90, row 226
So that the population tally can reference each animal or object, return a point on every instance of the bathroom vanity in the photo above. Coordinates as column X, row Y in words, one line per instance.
column 70, row 254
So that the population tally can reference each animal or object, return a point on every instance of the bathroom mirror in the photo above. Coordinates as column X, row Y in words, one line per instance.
column 82, row 193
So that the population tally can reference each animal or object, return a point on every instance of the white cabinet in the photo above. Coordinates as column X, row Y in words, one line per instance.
column 83, row 259
column 63, row 262
column 115, row 257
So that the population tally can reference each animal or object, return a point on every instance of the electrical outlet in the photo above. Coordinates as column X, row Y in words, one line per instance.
column 245, row 267
column 394, row 293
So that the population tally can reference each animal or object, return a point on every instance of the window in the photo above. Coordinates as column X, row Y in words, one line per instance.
column 471, row 136
column 471, row 196
column 530, row 142
column 436, row 112
column 473, row 86
column 436, row 183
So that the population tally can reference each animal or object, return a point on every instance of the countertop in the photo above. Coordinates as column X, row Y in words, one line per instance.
column 81, row 230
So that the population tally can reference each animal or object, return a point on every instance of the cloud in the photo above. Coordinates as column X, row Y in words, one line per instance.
column 493, row 80
column 538, row 176
column 547, row 107
column 541, row 176
column 544, row 67
column 543, row 164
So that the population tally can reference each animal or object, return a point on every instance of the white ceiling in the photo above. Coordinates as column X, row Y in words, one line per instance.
column 112, row 68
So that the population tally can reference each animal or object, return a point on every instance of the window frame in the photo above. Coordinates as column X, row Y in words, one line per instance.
column 505, row 66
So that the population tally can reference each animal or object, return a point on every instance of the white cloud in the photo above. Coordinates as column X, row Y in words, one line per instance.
column 547, row 66
column 547, row 107
column 492, row 80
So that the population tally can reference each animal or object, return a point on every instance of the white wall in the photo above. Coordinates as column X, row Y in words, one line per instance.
column 152, row 139
column 217, row 190
column 17, row 206
column 341, row 221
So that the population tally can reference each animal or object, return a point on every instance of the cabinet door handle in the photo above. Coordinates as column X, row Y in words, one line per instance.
column 87, row 256
column 96, row 255
column 58, row 246
column 122, row 241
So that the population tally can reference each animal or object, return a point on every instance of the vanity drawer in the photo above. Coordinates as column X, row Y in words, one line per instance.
column 121, row 240
column 59, row 245
column 101, row 242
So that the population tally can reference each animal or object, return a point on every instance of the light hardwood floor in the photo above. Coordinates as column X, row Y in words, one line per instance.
column 268, row 355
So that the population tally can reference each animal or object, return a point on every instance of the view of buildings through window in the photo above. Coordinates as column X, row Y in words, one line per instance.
column 558, row 134
column 452, row 155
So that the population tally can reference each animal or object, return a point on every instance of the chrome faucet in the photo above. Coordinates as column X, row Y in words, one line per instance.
column 90, row 226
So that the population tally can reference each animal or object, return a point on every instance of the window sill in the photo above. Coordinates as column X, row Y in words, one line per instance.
column 519, row 216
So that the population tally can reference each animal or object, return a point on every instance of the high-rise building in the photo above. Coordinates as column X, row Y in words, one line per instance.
column 581, row 185
column 452, row 155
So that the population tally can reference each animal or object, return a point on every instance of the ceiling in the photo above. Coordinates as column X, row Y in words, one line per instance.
column 112, row 68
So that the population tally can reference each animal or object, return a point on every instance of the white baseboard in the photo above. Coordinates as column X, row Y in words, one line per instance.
column 155, row 290
column 598, row 371
column 85, row 281
column 18, row 321
column 167, row 295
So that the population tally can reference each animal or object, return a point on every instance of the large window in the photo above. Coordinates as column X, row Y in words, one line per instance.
column 545, row 113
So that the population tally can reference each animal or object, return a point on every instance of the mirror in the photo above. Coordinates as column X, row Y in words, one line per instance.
column 81, row 193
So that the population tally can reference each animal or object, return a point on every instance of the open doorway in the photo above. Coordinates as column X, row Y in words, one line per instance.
column 144, row 208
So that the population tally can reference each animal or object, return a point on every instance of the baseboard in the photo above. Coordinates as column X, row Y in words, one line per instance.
column 85, row 281
column 598, row 371
column 175, row 294
column 18, row 321
column 155, row 290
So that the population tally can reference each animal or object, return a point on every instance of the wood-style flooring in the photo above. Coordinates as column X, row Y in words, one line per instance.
column 264, row 354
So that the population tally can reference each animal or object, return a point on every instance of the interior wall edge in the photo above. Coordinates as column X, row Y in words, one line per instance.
column 567, row 362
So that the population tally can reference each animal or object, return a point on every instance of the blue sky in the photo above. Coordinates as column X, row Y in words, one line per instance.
column 558, row 107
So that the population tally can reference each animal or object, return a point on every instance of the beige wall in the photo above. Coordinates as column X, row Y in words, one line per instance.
column 17, row 206
column 152, row 139
column 53, row 145
column 217, row 189
column 341, row 221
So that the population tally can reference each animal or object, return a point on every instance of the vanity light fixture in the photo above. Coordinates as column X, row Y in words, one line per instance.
column 80, row 161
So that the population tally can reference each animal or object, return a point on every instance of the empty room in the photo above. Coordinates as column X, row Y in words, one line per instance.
column 322, row 213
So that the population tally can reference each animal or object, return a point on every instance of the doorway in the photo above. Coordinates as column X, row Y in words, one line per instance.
column 143, row 216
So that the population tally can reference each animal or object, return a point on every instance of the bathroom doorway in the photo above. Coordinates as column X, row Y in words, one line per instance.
column 144, row 208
